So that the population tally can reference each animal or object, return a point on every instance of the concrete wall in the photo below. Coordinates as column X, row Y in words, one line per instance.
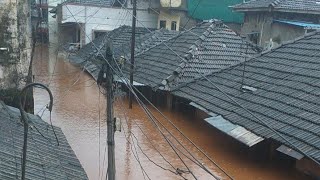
column 169, row 18
column 15, row 36
column 53, row 27
column 262, row 22
column 105, row 18
column 285, row 32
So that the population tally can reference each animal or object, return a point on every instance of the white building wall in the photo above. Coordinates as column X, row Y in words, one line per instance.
column 53, row 26
column 105, row 18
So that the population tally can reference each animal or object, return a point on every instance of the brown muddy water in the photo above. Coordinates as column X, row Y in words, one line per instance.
column 79, row 109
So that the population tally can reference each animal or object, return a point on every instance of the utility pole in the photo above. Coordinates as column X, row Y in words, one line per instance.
column 110, row 120
column 133, row 41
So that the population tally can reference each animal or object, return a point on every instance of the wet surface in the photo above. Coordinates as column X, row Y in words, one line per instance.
column 79, row 110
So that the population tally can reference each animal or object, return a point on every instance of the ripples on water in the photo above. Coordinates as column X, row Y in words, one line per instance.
column 77, row 104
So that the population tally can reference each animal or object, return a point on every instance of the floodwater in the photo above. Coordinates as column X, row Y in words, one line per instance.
column 79, row 109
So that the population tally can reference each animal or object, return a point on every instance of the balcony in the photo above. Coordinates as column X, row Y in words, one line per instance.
column 173, row 4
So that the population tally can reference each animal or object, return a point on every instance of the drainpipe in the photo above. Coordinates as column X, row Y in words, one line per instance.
column 25, row 121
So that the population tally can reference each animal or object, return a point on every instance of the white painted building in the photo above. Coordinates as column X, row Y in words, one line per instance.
column 82, row 22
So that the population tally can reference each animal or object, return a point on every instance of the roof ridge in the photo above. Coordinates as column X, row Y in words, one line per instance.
column 275, row 3
column 175, row 36
column 215, row 24
column 153, row 34
column 249, row 60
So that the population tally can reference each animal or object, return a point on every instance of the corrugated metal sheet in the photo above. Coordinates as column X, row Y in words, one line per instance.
column 235, row 131
column 290, row 152
column 288, row 83
column 122, row 80
column 301, row 24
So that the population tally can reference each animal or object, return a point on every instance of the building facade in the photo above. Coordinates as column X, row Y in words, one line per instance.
column 269, row 23
column 173, row 15
column 15, row 44
column 81, row 22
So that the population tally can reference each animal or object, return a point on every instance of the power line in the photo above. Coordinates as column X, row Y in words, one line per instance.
column 238, row 104
column 167, row 118
column 136, row 157
column 166, row 169
column 112, row 67
column 125, row 116
column 172, row 147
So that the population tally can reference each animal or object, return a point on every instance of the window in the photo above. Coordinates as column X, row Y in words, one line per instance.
column 174, row 25
column 163, row 24
column 98, row 33
column 254, row 37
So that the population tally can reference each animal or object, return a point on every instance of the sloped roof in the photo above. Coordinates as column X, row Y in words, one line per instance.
column 107, row 3
column 286, row 89
column 120, row 38
column 86, row 56
column 45, row 160
column 298, row 6
column 208, row 47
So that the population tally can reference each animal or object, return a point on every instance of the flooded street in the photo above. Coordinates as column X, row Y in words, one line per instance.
column 79, row 109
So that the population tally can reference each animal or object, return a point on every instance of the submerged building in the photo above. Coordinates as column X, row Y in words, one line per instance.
column 270, row 100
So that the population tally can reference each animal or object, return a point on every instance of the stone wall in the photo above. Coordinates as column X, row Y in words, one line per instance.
column 15, row 44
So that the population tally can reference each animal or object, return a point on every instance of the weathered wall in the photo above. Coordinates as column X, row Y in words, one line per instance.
column 262, row 22
column 15, row 41
column 169, row 18
column 282, row 32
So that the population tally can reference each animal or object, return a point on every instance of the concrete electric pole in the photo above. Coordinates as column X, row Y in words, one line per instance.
column 133, row 40
column 110, row 120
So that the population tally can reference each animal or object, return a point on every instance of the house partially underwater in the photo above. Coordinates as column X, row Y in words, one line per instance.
column 280, row 88
column 164, row 59
column 45, row 158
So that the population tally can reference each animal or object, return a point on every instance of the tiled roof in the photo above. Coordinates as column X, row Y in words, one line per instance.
column 302, row 6
column 92, row 2
column 121, row 38
column 45, row 160
column 286, row 93
column 208, row 47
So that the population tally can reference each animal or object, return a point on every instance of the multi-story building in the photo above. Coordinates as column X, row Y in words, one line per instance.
column 184, row 14
column 82, row 21
column 173, row 15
